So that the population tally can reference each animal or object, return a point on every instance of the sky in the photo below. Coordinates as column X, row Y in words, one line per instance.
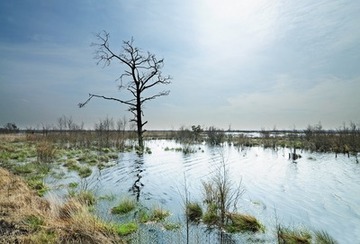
column 239, row 64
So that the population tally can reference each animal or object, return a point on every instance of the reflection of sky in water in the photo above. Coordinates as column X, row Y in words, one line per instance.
column 318, row 191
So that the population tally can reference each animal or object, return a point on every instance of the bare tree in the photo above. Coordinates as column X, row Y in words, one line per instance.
column 142, row 72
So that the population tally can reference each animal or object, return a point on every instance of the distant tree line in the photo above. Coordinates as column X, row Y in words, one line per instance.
column 9, row 128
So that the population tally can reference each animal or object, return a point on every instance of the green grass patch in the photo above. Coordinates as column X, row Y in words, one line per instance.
column 84, row 172
column 104, row 158
column 144, row 216
column 126, row 229
column 35, row 168
column 171, row 226
column 90, row 159
column 154, row 215
column 37, row 184
column 124, row 207
column 113, row 156
column 73, row 185
column 24, row 169
column 211, row 217
column 72, row 164
column 34, row 222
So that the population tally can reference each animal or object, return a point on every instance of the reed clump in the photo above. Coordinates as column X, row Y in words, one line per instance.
column 45, row 151
column 194, row 211
column 242, row 223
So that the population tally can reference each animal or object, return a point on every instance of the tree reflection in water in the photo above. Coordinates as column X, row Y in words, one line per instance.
column 138, row 169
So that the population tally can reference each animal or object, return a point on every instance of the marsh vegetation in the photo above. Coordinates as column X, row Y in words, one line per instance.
column 240, row 187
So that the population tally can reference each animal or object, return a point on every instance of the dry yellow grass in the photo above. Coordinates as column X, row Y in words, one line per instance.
column 28, row 218
column 12, row 137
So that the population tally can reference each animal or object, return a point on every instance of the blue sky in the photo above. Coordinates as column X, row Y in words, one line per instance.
column 250, row 64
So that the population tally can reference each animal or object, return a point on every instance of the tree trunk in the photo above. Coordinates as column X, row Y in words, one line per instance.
column 139, row 121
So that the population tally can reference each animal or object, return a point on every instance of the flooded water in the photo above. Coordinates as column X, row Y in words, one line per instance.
column 318, row 191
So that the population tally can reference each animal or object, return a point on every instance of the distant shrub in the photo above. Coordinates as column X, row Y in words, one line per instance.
column 215, row 136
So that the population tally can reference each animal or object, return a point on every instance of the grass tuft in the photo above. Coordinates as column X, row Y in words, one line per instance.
column 211, row 217
column 243, row 223
column 84, row 172
column 86, row 197
column 126, row 229
column 45, row 151
column 171, row 226
column 194, row 211
column 38, row 185
column 159, row 214
column 322, row 237
column 286, row 235
column 124, row 207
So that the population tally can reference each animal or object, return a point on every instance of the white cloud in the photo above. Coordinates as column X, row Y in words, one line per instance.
column 231, row 31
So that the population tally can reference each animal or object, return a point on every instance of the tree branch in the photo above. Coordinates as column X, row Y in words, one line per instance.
column 107, row 98
column 160, row 94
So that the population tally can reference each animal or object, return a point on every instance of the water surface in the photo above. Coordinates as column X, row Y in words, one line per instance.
column 318, row 191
